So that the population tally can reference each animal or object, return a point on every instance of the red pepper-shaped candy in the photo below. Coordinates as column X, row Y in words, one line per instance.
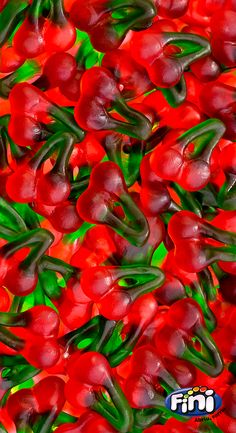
column 104, row 21
column 100, row 88
column 106, row 195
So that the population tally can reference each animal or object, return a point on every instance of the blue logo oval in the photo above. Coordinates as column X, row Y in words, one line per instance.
column 196, row 401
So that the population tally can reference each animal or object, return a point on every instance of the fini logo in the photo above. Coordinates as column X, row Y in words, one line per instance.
column 196, row 401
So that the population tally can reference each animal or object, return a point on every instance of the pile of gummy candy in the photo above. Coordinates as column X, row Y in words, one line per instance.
column 117, row 214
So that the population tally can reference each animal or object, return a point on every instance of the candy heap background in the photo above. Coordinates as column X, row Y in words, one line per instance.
column 117, row 213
